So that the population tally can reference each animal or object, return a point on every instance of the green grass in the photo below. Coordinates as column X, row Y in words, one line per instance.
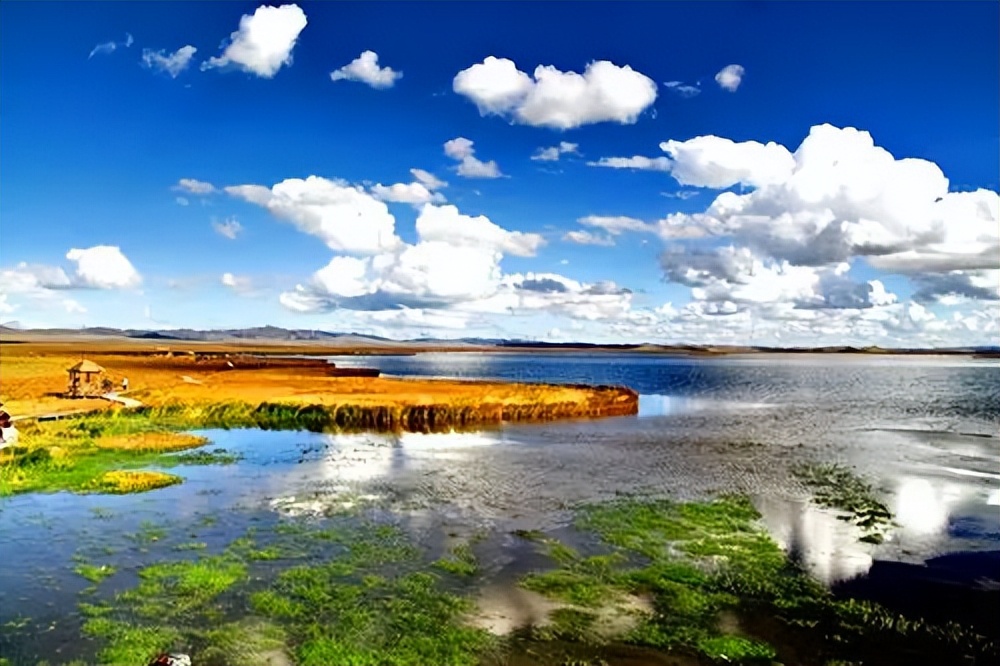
column 94, row 573
column 461, row 561
column 129, row 644
column 736, row 650
column 370, row 604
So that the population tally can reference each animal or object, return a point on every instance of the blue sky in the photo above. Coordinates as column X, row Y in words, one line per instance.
column 117, row 118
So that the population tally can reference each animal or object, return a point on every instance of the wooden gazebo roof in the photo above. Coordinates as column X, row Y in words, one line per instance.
column 86, row 366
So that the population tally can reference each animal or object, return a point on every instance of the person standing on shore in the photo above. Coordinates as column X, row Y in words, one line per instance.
column 5, row 423
column 124, row 384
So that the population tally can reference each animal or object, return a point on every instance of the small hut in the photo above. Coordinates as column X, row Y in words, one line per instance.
column 86, row 378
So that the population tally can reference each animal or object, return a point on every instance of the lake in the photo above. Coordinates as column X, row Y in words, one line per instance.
column 924, row 430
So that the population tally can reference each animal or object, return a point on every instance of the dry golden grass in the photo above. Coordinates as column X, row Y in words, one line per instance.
column 33, row 373
column 151, row 441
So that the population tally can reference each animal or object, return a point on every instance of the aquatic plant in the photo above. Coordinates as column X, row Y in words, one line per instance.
column 461, row 561
column 838, row 487
column 93, row 572
column 213, row 457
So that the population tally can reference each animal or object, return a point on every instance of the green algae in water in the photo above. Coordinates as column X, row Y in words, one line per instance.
column 838, row 487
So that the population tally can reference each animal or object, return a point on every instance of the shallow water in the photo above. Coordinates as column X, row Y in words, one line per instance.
column 923, row 429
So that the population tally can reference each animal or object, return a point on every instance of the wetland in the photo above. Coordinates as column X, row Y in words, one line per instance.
column 754, row 510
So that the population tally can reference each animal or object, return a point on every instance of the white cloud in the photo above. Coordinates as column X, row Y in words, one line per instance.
column 469, row 165
column 636, row 162
column 683, row 195
column 182, row 201
column 410, row 193
column 98, row 267
column 103, row 267
column 264, row 42
column 496, row 85
column 238, row 283
column 678, row 226
column 958, row 285
column 28, row 278
column 844, row 196
column 194, row 186
column 562, row 296
column 5, row 307
column 108, row 48
column 736, row 276
column 588, row 238
column 711, row 161
column 73, row 306
column 730, row 77
column 616, row 224
column 432, row 274
column 173, row 63
column 445, row 223
column 419, row 318
column 230, row 227
column 604, row 92
column 344, row 216
column 683, row 89
column 428, row 180
column 365, row 69
column 552, row 153
column 672, row 227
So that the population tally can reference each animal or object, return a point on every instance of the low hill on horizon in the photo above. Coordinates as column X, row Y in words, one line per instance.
column 352, row 339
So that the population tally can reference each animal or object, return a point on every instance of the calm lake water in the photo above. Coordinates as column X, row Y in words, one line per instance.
column 924, row 430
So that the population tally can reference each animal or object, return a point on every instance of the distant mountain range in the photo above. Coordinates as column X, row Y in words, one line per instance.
column 277, row 334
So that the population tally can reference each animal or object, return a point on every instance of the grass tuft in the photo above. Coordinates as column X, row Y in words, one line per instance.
column 120, row 482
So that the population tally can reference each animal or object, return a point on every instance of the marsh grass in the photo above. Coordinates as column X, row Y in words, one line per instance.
column 839, row 488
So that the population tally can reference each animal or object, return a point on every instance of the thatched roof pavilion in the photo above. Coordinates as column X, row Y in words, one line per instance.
column 84, row 379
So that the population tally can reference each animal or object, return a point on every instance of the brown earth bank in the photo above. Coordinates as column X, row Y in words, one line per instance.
column 33, row 378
